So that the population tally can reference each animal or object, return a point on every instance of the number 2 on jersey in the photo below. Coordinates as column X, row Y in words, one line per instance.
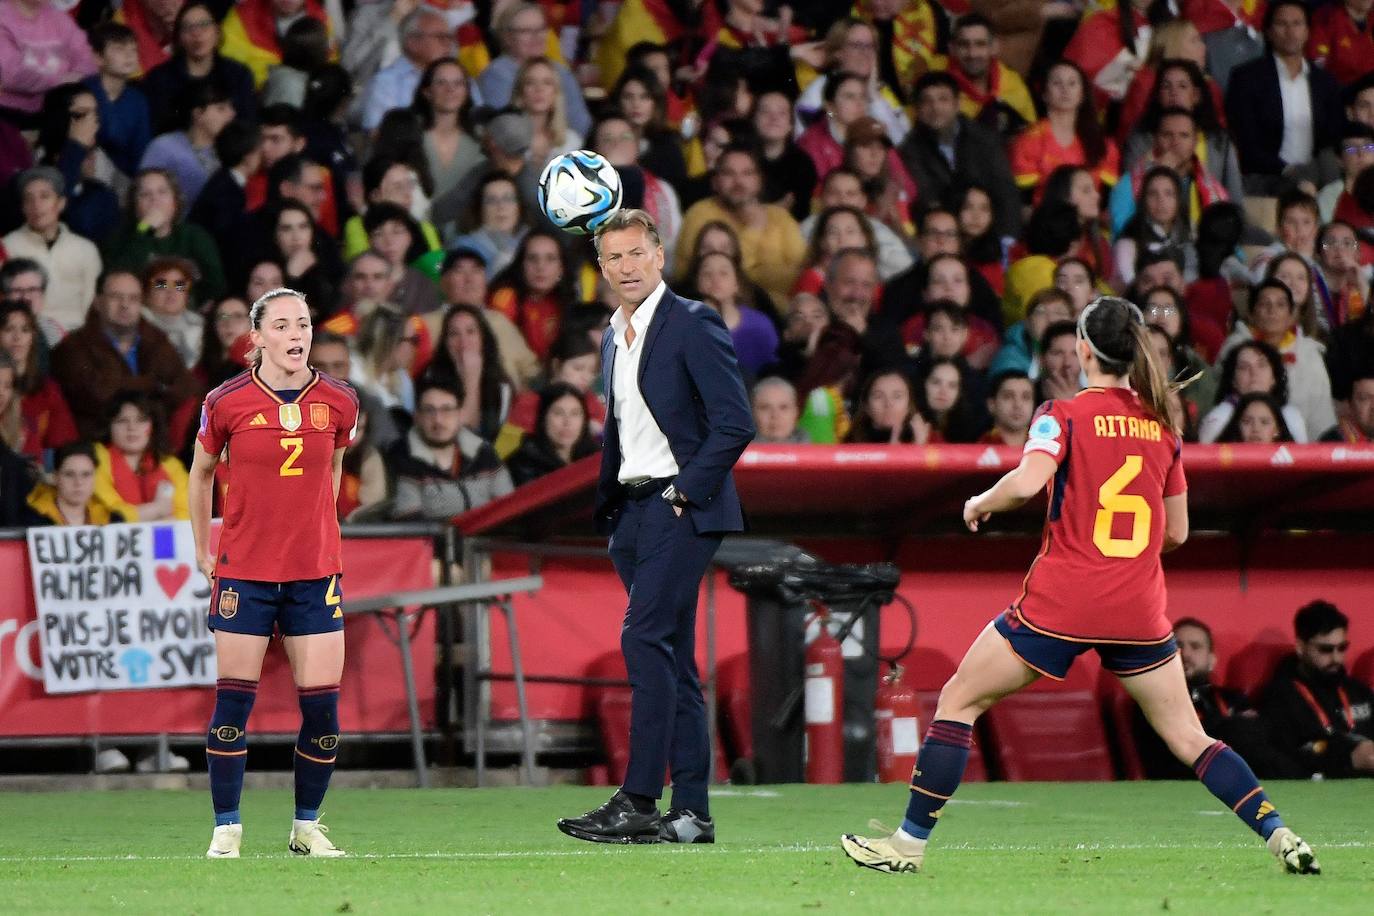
column 293, row 445
column 1112, row 502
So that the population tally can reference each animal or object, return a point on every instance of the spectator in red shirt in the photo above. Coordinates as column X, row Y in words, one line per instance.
column 535, row 290
column 1341, row 41
column 1011, row 403
column 42, row 419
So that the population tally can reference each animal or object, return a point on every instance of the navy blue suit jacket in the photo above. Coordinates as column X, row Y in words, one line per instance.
column 1254, row 113
column 691, row 382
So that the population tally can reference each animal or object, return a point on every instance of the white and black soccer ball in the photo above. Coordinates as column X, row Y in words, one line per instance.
column 579, row 191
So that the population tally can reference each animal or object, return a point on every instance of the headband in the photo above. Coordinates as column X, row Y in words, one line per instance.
column 1083, row 323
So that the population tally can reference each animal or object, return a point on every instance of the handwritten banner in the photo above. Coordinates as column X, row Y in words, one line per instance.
column 120, row 607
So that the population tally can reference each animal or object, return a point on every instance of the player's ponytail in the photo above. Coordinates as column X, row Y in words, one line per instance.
column 1115, row 331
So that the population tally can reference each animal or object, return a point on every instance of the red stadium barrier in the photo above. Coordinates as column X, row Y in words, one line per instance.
column 372, row 698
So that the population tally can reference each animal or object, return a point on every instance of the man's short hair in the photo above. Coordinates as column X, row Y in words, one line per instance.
column 1149, row 258
column 771, row 381
column 41, row 173
column 327, row 338
column 1352, row 92
column 283, row 115
column 110, row 272
column 1276, row 5
column 935, row 210
column 1175, row 112
column 739, row 148
column 1196, row 624
column 14, row 267
column 1058, row 329
column 290, row 167
column 950, row 309
column 972, row 21
column 628, row 218
column 448, row 384
column 838, row 259
column 1317, row 618
column 1007, row 375
column 236, row 142
column 933, row 78
column 110, row 33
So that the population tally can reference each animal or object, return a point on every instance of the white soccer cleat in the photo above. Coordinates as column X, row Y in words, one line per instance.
column 1293, row 852
column 308, row 839
column 225, row 842
column 891, row 854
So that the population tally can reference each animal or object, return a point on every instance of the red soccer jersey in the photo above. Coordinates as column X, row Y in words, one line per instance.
column 1098, row 577
column 279, row 516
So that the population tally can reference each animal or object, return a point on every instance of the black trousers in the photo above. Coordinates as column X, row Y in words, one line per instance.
column 660, row 559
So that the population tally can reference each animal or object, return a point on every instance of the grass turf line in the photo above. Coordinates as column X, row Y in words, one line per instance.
column 1000, row 848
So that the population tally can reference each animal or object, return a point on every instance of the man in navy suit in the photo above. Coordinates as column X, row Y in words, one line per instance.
column 678, row 422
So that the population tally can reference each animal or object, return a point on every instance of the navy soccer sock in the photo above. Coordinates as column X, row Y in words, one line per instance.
column 1227, row 776
column 939, row 768
column 316, row 748
column 226, row 746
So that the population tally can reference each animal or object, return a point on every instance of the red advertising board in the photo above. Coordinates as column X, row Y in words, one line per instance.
column 372, row 698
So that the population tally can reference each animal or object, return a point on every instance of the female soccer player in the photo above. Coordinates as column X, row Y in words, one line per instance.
column 1118, row 500
column 283, row 428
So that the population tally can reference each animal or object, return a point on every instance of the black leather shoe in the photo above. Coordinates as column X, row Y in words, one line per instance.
column 681, row 825
column 614, row 822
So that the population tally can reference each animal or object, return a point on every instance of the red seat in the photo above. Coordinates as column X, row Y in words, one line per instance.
column 1050, row 735
column 1363, row 669
column 1252, row 667
column 735, row 708
column 613, row 715
column 925, row 668
column 1118, row 711
column 977, row 769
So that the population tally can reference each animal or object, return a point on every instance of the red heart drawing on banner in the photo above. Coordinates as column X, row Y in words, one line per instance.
column 172, row 578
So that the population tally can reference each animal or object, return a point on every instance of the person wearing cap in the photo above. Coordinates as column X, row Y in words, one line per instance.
column 868, row 152
column 463, row 281
column 505, row 139
column 72, row 262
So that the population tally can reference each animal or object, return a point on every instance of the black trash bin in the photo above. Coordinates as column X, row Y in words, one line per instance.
column 780, row 589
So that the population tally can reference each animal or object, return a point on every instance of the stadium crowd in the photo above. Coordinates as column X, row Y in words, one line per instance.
column 898, row 208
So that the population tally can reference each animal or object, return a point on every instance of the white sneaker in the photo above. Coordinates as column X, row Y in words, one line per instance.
column 111, row 760
column 1293, row 852
column 224, row 843
column 308, row 839
column 175, row 764
column 892, row 854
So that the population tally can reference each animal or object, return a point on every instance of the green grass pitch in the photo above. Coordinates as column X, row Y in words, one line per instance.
column 1001, row 848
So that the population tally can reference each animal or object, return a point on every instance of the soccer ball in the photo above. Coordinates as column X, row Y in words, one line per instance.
column 579, row 191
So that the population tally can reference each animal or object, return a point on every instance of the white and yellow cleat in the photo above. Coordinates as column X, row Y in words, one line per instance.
column 308, row 839
column 1293, row 852
column 893, row 854
column 225, row 842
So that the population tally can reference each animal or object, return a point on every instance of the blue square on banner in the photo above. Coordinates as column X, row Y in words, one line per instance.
column 164, row 543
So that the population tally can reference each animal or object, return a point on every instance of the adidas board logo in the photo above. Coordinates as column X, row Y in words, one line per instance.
column 259, row 420
column 989, row 459
column 1282, row 456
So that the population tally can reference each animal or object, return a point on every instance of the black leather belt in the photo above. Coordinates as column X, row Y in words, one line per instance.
column 646, row 488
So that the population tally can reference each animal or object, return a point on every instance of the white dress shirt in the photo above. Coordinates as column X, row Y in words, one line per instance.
column 1296, row 148
column 644, row 450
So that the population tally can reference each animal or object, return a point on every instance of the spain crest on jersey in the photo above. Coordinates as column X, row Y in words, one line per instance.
column 290, row 417
column 319, row 416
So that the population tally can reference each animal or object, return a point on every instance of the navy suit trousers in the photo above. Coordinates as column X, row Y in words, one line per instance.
column 660, row 559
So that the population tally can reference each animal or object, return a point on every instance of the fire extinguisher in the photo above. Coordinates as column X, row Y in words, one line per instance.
column 824, row 696
column 898, row 718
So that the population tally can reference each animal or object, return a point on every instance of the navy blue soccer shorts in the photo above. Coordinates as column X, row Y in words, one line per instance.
column 301, row 608
column 1053, row 655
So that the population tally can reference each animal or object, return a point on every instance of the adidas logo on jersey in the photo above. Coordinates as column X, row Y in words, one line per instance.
column 1282, row 456
column 989, row 459
column 259, row 420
